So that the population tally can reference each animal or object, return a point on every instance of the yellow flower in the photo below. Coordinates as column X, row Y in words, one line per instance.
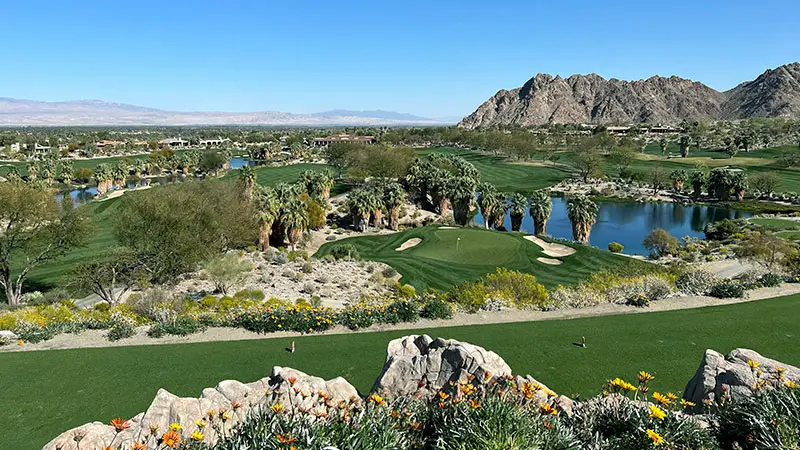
column 644, row 377
column 752, row 364
column 619, row 383
column 687, row 403
column 661, row 398
column 656, row 412
column 200, row 423
column 444, row 395
column 672, row 397
column 377, row 399
column 474, row 404
column 655, row 437
column 548, row 409
column 226, row 416
column 197, row 436
column 276, row 408
column 467, row 389
column 791, row 384
column 175, row 427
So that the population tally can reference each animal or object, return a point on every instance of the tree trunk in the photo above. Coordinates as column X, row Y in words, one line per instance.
column 581, row 231
column 326, row 193
column 739, row 195
column 678, row 185
column 516, row 221
column 394, row 217
column 377, row 217
column 294, row 236
column 263, row 235
column 365, row 221
column 499, row 221
column 539, row 225
column 487, row 219
column 278, row 233
column 444, row 207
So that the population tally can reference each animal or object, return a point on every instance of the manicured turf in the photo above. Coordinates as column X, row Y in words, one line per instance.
column 506, row 175
column 449, row 256
column 779, row 224
column 48, row 392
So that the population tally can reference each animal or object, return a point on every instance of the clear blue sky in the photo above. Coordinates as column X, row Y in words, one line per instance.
column 434, row 57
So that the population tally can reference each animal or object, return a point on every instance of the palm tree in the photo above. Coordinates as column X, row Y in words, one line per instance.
column 13, row 174
column 462, row 191
column 247, row 178
column 102, row 174
column 66, row 172
column 284, row 193
column 268, row 209
column 679, row 177
column 394, row 196
column 541, row 206
column 699, row 179
column 33, row 171
column 317, row 184
column 739, row 184
column 378, row 205
column 517, row 204
column 360, row 204
column 684, row 145
column 119, row 173
column 663, row 144
column 582, row 212
column 294, row 218
column 441, row 186
column 488, row 198
column 499, row 213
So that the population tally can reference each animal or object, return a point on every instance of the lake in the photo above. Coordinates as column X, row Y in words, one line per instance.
column 629, row 223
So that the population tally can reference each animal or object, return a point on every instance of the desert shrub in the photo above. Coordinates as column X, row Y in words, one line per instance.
column 330, row 238
column 575, row 297
column 102, row 307
column 661, row 243
column 771, row 279
column 696, row 282
column 641, row 300
column 632, row 290
column 308, row 267
column 722, row 230
column 209, row 302
column 181, row 326
column 34, row 333
column 344, row 251
column 401, row 311
column 280, row 258
column 316, row 301
column 727, row 289
column 309, row 287
column 254, row 295
column 520, row 290
column 405, row 290
column 122, row 327
column 227, row 271
column 615, row 247
column 471, row 296
column 389, row 272
column 769, row 419
column 436, row 309
column 301, row 317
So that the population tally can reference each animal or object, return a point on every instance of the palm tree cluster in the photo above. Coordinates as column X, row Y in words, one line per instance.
column 582, row 212
column 444, row 181
column 374, row 200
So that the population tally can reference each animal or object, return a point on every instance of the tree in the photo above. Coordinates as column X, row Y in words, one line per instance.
column 588, row 164
column 212, row 162
column 66, row 172
column 720, row 184
column 540, row 208
column 661, row 243
column 622, row 157
column 360, row 203
column 317, row 184
column 268, row 207
column 488, row 200
column 731, row 149
column 111, row 274
column 659, row 178
column 679, row 177
column 765, row 183
column 462, row 192
column 582, row 212
column 764, row 248
column 699, row 179
column 517, row 205
column 247, row 180
column 663, row 144
column 394, row 196
column 499, row 213
column 684, row 146
column 294, row 219
column 103, row 175
column 227, row 271
column 739, row 184
column 34, row 231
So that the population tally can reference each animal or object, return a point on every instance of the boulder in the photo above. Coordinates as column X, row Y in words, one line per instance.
column 7, row 337
column 295, row 390
column 721, row 377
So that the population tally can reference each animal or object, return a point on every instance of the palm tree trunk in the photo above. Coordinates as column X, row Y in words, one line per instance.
column 377, row 217
column 516, row 221
column 263, row 235
column 487, row 218
column 539, row 225
column 444, row 207
column 499, row 221
column 678, row 185
column 365, row 221
column 394, row 217
column 294, row 235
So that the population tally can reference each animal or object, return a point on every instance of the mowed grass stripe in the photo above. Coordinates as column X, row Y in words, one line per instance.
column 51, row 391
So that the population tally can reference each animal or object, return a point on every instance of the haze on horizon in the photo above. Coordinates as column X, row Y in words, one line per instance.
column 431, row 60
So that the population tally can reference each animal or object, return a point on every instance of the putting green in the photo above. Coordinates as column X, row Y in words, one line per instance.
column 441, row 260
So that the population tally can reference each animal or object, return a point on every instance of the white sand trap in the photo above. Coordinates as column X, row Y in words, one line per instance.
column 551, row 261
column 408, row 244
column 555, row 250
column 448, row 228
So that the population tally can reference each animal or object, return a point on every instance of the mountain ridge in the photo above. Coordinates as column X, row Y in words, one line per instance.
column 591, row 98
column 88, row 112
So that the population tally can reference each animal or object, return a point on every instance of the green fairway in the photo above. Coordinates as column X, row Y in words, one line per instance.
column 778, row 224
column 52, row 391
column 506, row 175
column 449, row 256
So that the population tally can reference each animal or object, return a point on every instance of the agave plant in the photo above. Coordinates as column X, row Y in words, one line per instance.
column 540, row 209
column 582, row 212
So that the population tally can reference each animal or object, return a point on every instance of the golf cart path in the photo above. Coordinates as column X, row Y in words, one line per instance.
column 96, row 338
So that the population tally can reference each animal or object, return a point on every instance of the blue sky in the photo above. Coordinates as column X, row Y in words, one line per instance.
column 433, row 58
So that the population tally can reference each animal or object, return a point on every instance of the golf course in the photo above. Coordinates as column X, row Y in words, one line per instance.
column 447, row 256
column 72, row 387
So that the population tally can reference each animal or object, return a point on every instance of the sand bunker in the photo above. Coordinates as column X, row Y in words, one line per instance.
column 556, row 250
column 448, row 228
column 551, row 261
column 408, row 244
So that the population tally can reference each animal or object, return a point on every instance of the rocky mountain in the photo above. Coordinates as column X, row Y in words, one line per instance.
column 592, row 98
column 18, row 112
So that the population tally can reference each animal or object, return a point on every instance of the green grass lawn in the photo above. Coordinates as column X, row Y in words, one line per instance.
column 442, row 260
column 779, row 224
column 48, row 392
column 270, row 176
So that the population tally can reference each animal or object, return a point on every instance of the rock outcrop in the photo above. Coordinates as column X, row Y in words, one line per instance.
column 721, row 377
column 230, row 401
column 594, row 99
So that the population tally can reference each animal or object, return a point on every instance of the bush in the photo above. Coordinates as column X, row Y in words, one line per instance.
column 345, row 251
column 122, row 327
column 471, row 296
column 33, row 333
column 389, row 272
column 661, row 243
column 181, row 326
column 227, row 271
column 102, row 307
column 520, row 290
column 281, row 258
column 696, row 282
column 771, row 280
column 727, row 289
column 641, row 300
column 436, row 309
column 307, row 267
column 722, row 230
column 209, row 302
column 615, row 247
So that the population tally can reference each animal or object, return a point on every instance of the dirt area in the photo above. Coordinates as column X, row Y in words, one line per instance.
column 550, row 261
column 96, row 338
column 408, row 244
column 448, row 228
column 554, row 250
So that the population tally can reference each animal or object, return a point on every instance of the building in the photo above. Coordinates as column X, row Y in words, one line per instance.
column 108, row 144
column 174, row 143
column 320, row 142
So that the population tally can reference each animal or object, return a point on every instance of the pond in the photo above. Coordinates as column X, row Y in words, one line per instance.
column 238, row 163
column 629, row 223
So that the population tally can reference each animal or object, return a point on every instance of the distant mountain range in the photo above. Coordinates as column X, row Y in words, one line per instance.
column 18, row 112
column 593, row 99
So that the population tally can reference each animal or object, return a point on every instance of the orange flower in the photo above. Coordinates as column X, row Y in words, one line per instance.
column 377, row 399
column 236, row 405
column 474, row 404
column 444, row 395
column 547, row 408
column 288, row 439
column 139, row 446
column 292, row 380
column 171, row 439
column 120, row 424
